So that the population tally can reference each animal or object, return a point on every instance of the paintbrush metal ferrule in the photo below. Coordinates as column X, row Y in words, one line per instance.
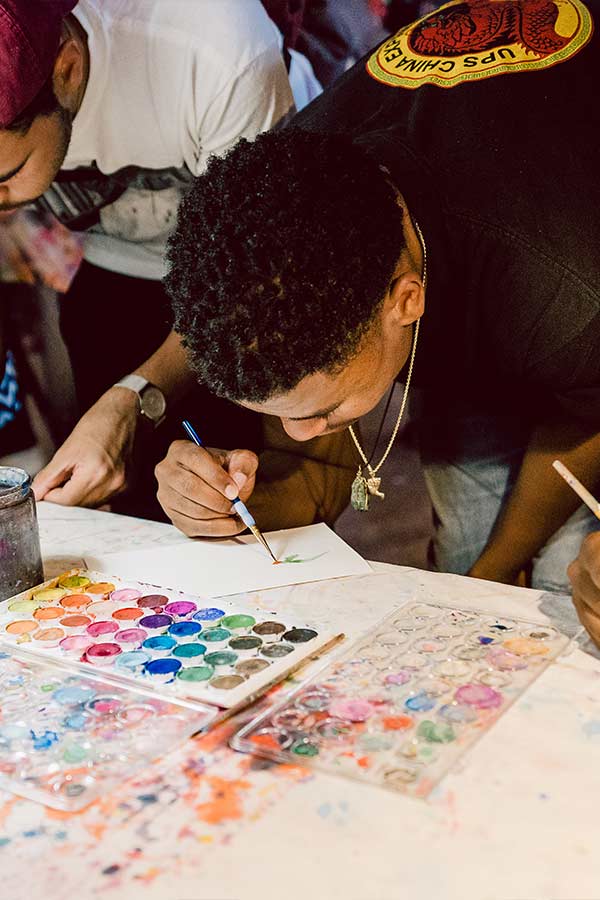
column 259, row 537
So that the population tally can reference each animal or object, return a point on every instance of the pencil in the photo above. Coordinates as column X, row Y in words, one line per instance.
column 582, row 492
column 239, row 506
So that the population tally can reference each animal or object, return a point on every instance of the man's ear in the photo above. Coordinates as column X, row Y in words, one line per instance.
column 405, row 302
column 69, row 73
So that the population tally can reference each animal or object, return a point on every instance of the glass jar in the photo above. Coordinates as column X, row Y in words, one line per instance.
column 20, row 555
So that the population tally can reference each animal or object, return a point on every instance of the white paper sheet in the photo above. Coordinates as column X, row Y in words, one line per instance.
column 218, row 568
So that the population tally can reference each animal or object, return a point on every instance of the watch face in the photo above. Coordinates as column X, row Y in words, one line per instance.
column 153, row 403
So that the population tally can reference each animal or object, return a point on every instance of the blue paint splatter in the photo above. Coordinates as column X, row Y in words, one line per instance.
column 324, row 810
column 421, row 702
column 43, row 741
column 592, row 728
column 485, row 640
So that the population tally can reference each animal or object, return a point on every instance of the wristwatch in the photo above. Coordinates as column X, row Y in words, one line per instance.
column 153, row 404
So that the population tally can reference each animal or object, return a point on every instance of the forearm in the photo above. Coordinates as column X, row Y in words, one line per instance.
column 302, row 483
column 167, row 368
column 540, row 502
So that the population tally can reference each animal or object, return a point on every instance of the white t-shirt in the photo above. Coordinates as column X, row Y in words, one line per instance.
column 171, row 82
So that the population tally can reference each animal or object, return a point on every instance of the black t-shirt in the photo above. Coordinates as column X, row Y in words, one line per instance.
column 487, row 115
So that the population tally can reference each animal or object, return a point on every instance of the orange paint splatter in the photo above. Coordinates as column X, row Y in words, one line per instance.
column 225, row 803
column 397, row 723
column 267, row 741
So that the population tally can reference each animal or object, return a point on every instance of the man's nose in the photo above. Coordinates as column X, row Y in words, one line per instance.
column 304, row 430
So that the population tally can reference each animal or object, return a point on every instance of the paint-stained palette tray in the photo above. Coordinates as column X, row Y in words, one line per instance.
column 408, row 699
column 182, row 646
column 66, row 738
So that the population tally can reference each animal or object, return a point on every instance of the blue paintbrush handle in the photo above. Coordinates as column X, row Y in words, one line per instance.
column 240, row 507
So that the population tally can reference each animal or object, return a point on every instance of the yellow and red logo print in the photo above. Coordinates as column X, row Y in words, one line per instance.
column 466, row 40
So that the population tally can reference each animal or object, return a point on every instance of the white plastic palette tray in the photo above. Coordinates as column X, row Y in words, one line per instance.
column 224, row 653
column 408, row 699
column 66, row 737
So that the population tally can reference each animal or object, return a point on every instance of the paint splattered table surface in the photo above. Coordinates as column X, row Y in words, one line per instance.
column 517, row 818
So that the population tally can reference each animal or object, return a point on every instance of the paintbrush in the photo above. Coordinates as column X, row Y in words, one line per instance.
column 241, row 509
column 582, row 492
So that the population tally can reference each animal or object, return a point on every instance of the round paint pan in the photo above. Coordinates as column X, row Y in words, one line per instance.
column 246, row 645
column 400, row 776
column 541, row 633
column 293, row 720
column 208, row 615
column 162, row 670
column 131, row 638
column 75, row 624
column 429, row 645
column 73, row 695
column 470, row 653
column 20, row 628
column 226, row 682
column 47, row 638
column 23, row 607
column 392, row 638
column 305, row 748
column 196, row 674
column 155, row 624
column 221, row 659
column 104, row 705
column 184, row 632
column 335, row 730
column 126, row 596
column 75, row 644
column 217, row 638
column 136, row 713
column 299, row 635
column 153, row 601
column 100, row 588
column 269, row 631
column 249, row 667
column 132, row 660
column 313, row 701
column 238, row 623
column 409, row 624
column 100, row 630
column 457, row 713
column 75, row 602
column 276, row 651
column 102, row 654
column 128, row 614
column 272, row 739
column 189, row 654
column 74, row 582
column 493, row 678
column 453, row 668
column 159, row 645
column 47, row 614
column 102, row 609
column 180, row 609
column 47, row 595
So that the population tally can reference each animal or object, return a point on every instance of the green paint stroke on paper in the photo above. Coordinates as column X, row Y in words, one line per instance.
column 294, row 558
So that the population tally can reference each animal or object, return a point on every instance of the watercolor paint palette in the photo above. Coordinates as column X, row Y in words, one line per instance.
column 66, row 738
column 408, row 699
column 223, row 654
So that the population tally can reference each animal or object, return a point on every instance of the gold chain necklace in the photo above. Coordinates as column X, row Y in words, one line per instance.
column 364, row 487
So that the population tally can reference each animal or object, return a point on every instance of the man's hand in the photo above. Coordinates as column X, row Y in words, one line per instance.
column 584, row 573
column 91, row 465
column 196, row 487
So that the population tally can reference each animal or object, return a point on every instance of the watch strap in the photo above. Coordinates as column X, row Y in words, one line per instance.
column 134, row 383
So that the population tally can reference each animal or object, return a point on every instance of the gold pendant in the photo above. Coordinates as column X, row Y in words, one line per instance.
column 359, row 497
column 373, row 484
